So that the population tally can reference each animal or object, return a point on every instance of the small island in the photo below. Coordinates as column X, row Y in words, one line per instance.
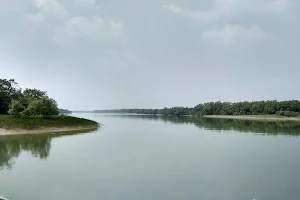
column 31, row 111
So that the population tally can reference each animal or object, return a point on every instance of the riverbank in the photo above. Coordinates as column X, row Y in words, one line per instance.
column 10, row 125
column 254, row 117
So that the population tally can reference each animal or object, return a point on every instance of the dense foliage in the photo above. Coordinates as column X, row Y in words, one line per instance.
column 281, row 108
column 9, row 90
column 30, row 102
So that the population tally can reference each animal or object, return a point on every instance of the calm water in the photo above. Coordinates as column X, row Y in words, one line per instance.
column 154, row 158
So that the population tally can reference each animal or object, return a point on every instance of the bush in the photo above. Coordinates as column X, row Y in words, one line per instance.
column 43, row 107
column 32, row 102
column 288, row 113
column 16, row 108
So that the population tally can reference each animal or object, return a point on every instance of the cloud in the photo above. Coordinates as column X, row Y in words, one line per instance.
column 69, row 26
column 47, row 9
column 267, row 6
column 212, row 14
column 225, row 8
column 234, row 33
column 175, row 9
column 94, row 28
column 85, row 3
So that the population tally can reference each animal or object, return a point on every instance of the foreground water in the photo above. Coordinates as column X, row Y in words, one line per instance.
column 156, row 158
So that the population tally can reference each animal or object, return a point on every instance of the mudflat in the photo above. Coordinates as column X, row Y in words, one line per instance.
column 46, row 130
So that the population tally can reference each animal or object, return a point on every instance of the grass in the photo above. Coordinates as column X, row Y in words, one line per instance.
column 31, row 123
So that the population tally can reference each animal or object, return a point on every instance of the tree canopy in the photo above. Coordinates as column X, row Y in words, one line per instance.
column 9, row 90
column 30, row 102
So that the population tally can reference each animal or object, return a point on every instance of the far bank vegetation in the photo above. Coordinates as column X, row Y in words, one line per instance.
column 273, row 107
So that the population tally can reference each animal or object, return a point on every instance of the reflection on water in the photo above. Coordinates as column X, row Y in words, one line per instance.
column 37, row 145
column 12, row 146
column 291, row 128
column 155, row 157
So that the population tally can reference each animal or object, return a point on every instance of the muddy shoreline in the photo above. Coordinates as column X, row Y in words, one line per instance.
column 7, row 132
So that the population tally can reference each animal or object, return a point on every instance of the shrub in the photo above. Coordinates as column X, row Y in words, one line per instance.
column 288, row 113
column 43, row 107
column 16, row 108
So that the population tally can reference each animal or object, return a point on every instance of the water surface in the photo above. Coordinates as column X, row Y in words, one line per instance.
column 156, row 158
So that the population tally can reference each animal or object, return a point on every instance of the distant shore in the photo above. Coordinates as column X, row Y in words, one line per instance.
column 254, row 117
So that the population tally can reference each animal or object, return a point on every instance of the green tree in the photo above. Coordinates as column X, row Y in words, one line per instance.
column 270, row 107
column 44, row 107
column 9, row 90
column 16, row 108
column 34, row 94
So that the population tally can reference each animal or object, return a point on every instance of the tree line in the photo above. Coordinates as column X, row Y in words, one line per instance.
column 272, row 107
column 34, row 102
column 64, row 111
column 25, row 103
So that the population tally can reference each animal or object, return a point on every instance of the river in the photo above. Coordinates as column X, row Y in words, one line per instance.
column 134, row 157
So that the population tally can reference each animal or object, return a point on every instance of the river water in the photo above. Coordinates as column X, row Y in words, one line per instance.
column 135, row 157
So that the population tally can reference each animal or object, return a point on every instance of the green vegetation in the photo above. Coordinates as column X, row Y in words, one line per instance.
column 287, row 113
column 30, row 123
column 30, row 102
column 280, row 108
column 9, row 90
column 32, row 109
column 64, row 111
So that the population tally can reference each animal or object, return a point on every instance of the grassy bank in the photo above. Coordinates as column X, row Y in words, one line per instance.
column 34, row 123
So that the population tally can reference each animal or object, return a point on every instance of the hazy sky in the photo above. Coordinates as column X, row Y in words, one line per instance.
column 96, row 54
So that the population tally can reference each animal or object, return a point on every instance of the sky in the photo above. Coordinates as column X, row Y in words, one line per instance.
column 96, row 54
